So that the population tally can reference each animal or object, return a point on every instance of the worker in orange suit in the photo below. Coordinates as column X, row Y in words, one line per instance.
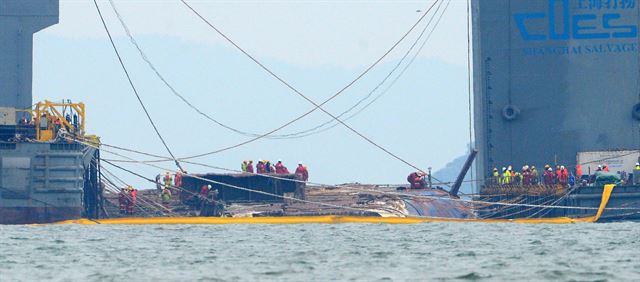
column 302, row 171
column 578, row 172
column 563, row 178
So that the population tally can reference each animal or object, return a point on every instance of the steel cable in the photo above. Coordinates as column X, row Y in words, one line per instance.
column 352, row 188
column 133, row 87
column 392, row 83
column 316, row 105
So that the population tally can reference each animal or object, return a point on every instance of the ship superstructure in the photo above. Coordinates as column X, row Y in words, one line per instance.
column 553, row 79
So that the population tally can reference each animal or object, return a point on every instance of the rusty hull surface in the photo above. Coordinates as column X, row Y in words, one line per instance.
column 362, row 200
column 346, row 200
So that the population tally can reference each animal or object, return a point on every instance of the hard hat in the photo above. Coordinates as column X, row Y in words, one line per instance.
column 550, row 169
column 637, row 163
column 279, row 160
column 504, row 168
column 300, row 162
column 561, row 167
column 599, row 166
column 533, row 167
column 495, row 169
column 209, row 186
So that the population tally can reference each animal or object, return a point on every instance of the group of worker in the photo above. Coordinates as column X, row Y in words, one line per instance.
column 208, row 202
column 127, row 200
column 265, row 167
column 47, row 119
column 529, row 175
column 169, row 183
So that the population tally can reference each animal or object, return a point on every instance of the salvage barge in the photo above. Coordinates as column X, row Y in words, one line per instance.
column 540, row 201
column 43, row 177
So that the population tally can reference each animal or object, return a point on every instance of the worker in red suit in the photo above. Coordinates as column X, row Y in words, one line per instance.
column 260, row 167
column 548, row 176
column 122, row 201
column 563, row 177
column 415, row 179
column 204, row 190
column 131, row 207
column 578, row 172
column 526, row 175
column 280, row 168
column 302, row 171
column 558, row 174
column 178, row 179
column 250, row 166
column 605, row 168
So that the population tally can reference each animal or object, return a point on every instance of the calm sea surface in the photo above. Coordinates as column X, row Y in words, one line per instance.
column 368, row 252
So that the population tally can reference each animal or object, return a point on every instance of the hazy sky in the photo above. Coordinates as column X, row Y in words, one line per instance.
column 317, row 46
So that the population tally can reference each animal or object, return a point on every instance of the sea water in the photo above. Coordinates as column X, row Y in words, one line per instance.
column 319, row 252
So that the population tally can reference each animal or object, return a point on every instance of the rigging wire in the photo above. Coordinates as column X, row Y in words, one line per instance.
column 262, row 175
column 363, row 190
column 164, row 80
column 300, row 134
column 214, row 167
column 468, row 4
column 316, row 105
column 294, row 135
column 339, row 186
column 393, row 82
column 135, row 91
column 315, row 130
column 116, row 190
column 237, row 187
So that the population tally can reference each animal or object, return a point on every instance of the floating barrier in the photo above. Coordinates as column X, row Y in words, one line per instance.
column 606, row 194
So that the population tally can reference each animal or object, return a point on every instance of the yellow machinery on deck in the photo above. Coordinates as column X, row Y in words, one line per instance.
column 50, row 118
